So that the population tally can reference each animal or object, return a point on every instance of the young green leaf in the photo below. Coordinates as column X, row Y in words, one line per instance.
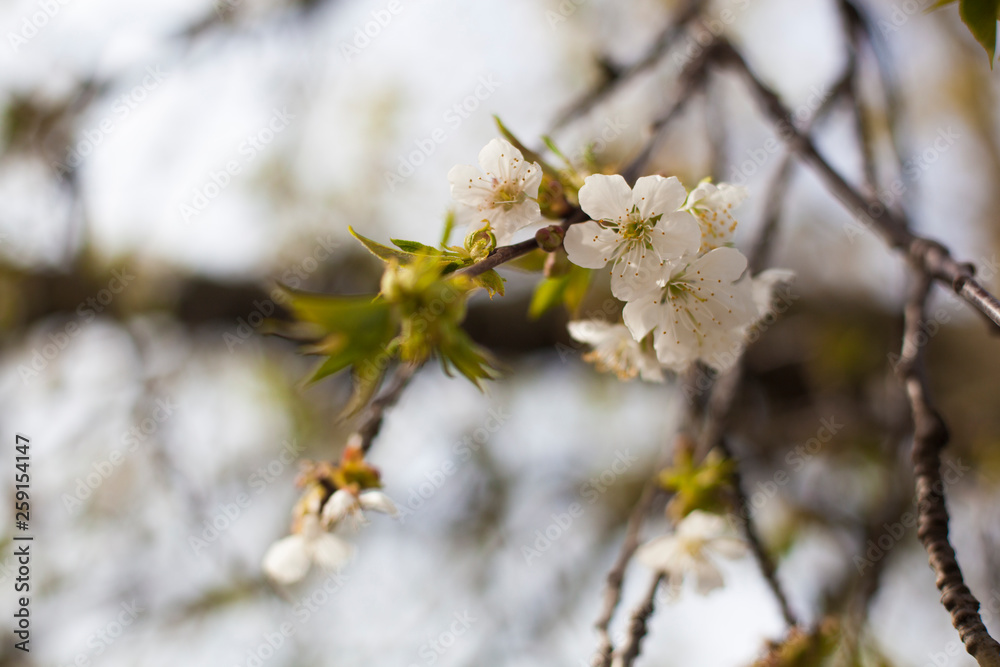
column 383, row 252
column 980, row 16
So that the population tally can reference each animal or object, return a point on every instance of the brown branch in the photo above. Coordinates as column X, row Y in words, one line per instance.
column 617, row 76
column 930, row 256
column 929, row 438
column 371, row 423
column 766, row 564
column 616, row 576
column 638, row 624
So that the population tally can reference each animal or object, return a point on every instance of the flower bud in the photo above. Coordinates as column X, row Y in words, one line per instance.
column 481, row 242
column 550, row 238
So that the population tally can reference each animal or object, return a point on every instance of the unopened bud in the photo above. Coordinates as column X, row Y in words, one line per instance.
column 550, row 238
column 481, row 242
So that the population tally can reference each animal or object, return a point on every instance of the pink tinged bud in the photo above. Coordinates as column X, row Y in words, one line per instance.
column 550, row 238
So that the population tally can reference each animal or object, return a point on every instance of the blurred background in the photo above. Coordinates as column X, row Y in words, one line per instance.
column 165, row 163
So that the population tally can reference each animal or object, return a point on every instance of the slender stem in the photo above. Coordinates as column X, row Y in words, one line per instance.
column 371, row 423
column 930, row 256
column 637, row 628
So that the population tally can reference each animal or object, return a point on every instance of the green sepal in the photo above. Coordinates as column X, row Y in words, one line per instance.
column 492, row 281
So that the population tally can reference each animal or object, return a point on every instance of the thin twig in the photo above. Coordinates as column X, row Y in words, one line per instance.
column 638, row 624
column 616, row 576
column 764, row 561
column 930, row 436
column 932, row 257
column 371, row 423
column 617, row 76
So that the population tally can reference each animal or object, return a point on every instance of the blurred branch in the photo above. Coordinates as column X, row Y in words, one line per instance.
column 637, row 626
column 932, row 257
column 371, row 422
column 614, row 77
column 929, row 438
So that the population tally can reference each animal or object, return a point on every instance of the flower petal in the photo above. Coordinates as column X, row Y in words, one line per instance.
column 656, row 195
column 589, row 245
column 676, row 235
column 707, row 576
column 593, row 332
column 378, row 502
column 642, row 315
column 661, row 554
column 729, row 547
column 605, row 197
column 287, row 560
column 331, row 552
column 340, row 505
column 498, row 157
column 468, row 186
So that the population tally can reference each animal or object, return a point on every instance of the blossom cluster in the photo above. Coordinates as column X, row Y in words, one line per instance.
column 688, row 295
column 335, row 498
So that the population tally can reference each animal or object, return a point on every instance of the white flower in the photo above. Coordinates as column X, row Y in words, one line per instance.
column 344, row 505
column 764, row 284
column 698, row 309
column 505, row 196
column 712, row 204
column 289, row 559
column 615, row 350
column 637, row 230
column 699, row 537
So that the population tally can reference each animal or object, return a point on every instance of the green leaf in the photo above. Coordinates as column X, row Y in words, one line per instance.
column 366, row 379
column 492, row 281
column 353, row 329
column 568, row 289
column 458, row 351
column 415, row 248
column 383, row 252
column 980, row 16
column 547, row 296
column 576, row 288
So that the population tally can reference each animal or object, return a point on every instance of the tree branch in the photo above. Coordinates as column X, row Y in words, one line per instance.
column 929, row 438
column 930, row 256
column 371, row 423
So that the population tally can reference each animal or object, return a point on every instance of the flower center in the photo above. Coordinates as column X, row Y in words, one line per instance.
column 508, row 194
